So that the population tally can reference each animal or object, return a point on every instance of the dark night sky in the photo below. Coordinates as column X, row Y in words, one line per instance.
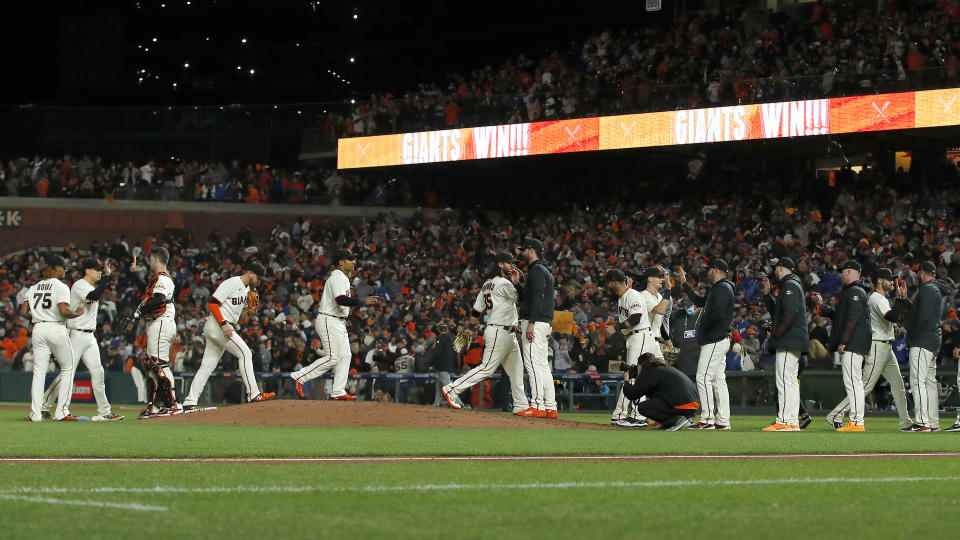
column 93, row 52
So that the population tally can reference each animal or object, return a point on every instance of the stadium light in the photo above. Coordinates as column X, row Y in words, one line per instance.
column 186, row 64
column 352, row 59
column 252, row 71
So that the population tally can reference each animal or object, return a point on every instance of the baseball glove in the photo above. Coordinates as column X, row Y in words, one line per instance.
column 126, row 325
column 671, row 355
column 461, row 342
column 253, row 301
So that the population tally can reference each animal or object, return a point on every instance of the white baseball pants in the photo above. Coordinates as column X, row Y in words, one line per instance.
column 51, row 338
column 712, row 383
column 537, row 365
column 160, row 334
column 880, row 361
column 788, row 387
column 336, row 345
column 499, row 347
column 637, row 344
column 214, row 345
column 923, row 387
column 84, row 348
column 851, row 364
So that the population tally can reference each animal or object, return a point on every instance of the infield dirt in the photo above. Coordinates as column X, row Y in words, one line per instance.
column 364, row 414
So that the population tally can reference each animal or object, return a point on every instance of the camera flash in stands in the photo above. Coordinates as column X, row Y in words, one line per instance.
column 352, row 59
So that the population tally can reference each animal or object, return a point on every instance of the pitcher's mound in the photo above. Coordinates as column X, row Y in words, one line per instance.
column 364, row 414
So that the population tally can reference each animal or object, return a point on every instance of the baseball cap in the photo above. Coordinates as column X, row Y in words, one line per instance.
column 91, row 264
column 884, row 273
column 928, row 267
column 615, row 275
column 502, row 257
column 55, row 260
column 720, row 264
column 257, row 269
column 537, row 245
column 653, row 271
column 345, row 255
column 852, row 264
column 785, row 262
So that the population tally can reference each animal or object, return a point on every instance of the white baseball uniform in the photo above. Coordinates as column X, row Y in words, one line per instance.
column 712, row 383
column 331, row 326
column 161, row 327
column 50, row 336
column 85, row 347
column 497, row 298
column 231, row 295
column 640, row 339
column 786, row 367
column 880, row 361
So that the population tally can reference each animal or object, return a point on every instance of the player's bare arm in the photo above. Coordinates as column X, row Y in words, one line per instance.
column 67, row 313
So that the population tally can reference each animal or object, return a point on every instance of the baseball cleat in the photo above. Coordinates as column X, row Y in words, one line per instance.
column 805, row 420
column 147, row 413
column 912, row 428
column 69, row 418
column 722, row 427
column 954, row 428
column 631, row 423
column 454, row 401
column 851, row 427
column 702, row 425
column 834, row 424
column 552, row 414
column 189, row 408
column 170, row 411
column 109, row 417
column 533, row 413
column 298, row 386
column 345, row 397
column 264, row 396
column 45, row 415
column 678, row 425
column 28, row 419
column 781, row 427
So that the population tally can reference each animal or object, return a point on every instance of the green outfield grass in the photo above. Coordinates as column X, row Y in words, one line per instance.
column 132, row 438
column 810, row 499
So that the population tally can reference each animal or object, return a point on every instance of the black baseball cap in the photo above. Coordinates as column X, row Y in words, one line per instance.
column 653, row 271
column 785, row 262
column 91, row 264
column 537, row 245
column 615, row 275
column 928, row 267
column 55, row 261
column 503, row 256
column 852, row 264
column 257, row 269
column 719, row 264
column 884, row 273
column 345, row 255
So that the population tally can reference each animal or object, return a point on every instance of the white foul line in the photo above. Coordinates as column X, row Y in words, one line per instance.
column 15, row 493
column 100, row 504
column 397, row 459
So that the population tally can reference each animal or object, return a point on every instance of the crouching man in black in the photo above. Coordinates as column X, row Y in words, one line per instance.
column 671, row 395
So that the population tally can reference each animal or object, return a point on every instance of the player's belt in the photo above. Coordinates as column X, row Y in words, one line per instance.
column 48, row 322
column 506, row 327
column 887, row 341
column 333, row 316
column 90, row 331
column 647, row 329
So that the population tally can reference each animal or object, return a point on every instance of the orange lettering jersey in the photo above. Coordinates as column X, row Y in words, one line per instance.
column 160, row 284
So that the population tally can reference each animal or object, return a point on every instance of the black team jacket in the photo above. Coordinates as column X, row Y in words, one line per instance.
column 537, row 298
column 789, row 331
column 851, row 320
column 925, row 315
column 717, row 313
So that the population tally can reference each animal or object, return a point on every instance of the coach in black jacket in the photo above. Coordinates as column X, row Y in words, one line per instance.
column 671, row 397
column 443, row 361
column 789, row 339
column 713, row 331
column 536, row 321
column 924, row 317
column 850, row 336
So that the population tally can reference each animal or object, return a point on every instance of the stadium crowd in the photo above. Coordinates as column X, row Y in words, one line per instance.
column 706, row 59
column 429, row 267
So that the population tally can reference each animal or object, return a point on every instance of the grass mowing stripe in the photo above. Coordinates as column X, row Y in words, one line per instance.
column 70, row 502
column 496, row 486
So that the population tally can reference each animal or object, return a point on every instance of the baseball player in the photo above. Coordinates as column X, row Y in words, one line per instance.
column 881, row 360
column 634, row 322
column 87, row 292
column 498, row 299
column 537, row 299
column 789, row 339
column 851, row 337
column 48, row 305
column 331, row 326
column 713, row 331
column 924, row 338
column 158, row 311
column 226, row 304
